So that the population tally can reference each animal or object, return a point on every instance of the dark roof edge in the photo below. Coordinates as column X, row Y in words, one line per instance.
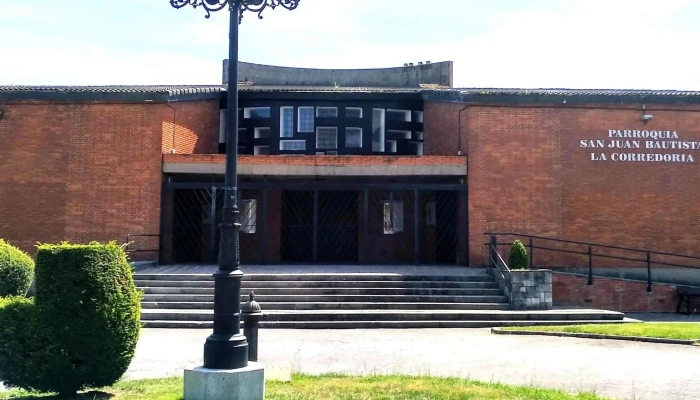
column 542, row 97
column 476, row 96
column 143, row 97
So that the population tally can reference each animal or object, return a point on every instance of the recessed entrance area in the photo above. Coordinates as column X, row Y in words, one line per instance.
column 326, row 222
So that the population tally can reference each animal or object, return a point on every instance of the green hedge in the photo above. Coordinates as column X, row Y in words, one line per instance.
column 16, row 270
column 22, row 344
column 87, row 316
column 518, row 258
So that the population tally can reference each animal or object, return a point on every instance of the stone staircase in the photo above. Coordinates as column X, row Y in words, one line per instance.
column 336, row 300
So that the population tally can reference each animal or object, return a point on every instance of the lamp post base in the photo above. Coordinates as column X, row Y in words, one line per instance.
column 226, row 352
column 238, row 384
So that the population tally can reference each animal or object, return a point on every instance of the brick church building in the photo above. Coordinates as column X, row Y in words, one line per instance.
column 388, row 166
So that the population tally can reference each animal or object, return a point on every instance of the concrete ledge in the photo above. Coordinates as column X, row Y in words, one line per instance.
column 282, row 169
column 499, row 331
column 238, row 384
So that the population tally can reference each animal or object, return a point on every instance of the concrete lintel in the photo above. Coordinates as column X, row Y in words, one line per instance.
column 318, row 170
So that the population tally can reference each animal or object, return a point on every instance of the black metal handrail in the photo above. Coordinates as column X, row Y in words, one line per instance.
column 499, row 264
column 647, row 259
column 127, row 244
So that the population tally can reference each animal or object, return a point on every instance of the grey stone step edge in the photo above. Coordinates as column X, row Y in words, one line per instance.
column 389, row 315
column 155, row 305
column 371, row 324
column 333, row 291
column 696, row 342
column 334, row 298
column 152, row 283
column 322, row 277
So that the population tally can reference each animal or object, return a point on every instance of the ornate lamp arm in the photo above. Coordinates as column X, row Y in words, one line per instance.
column 255, row 6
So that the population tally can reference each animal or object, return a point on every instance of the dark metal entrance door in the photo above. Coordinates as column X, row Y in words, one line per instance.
column 297, row 230
column 337, row 227
column 320, row 226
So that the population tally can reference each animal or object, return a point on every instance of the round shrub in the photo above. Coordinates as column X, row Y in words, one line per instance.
column 88, row 305
column 23, row 346
column 518, row 258
column 16, row 270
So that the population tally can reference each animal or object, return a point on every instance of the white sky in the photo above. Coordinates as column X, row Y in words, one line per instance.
column 630, row 44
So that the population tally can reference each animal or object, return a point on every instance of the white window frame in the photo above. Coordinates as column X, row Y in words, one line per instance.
column 313, row 111
column 406, row 114
column 382, row 130
column 248, row 215
column 248, row 111
column 405, row 134
column 282, row 122
column 392, row 146
column 355, row 109
column 335, row 130
column 318, row 111
column 393, row 217
column 256, row 132
column 256, row 150
column 283, row 142
column 346, row 137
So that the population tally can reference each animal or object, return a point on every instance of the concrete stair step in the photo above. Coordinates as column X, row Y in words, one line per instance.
column 333, row 291
column 392, row 315
column 376, row 324
column 475, row 277
column 323, row 284
column 333, row 306
column 332, row 298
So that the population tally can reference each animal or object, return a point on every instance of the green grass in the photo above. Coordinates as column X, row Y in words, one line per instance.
column 333, row 387
column 673, row 330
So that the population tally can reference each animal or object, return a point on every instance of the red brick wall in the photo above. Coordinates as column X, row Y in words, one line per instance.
column 528, row 174
column 443, row 121
column 613, row 294
column 78, row 172
column 191, row 127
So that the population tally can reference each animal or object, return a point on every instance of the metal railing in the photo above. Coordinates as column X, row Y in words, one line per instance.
column 648, row 258
column 499, row 266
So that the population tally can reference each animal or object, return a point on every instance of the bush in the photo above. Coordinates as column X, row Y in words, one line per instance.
column 22, row 346
column 85, row 321
column 16, row 270
column 518, row 258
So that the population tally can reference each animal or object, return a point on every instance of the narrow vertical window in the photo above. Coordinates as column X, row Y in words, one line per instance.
column 248, row 216
column 286, row 122
column 378, row 129
column 306, row 119
column 393, row 217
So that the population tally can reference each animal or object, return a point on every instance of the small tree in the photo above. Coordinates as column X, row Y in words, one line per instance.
column 518, row 258
column 83, row 328
column 16, row 270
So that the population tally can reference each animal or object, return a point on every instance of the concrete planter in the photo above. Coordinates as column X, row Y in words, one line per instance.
column 532, row 289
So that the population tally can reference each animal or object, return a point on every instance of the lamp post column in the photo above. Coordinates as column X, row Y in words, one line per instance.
column 227, row 347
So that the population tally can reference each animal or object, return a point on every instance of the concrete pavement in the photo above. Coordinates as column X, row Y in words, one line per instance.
column 616, row 369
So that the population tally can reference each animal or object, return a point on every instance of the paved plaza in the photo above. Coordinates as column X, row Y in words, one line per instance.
column 616, row 369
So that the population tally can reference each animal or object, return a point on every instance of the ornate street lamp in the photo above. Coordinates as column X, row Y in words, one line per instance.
column 227, row 348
